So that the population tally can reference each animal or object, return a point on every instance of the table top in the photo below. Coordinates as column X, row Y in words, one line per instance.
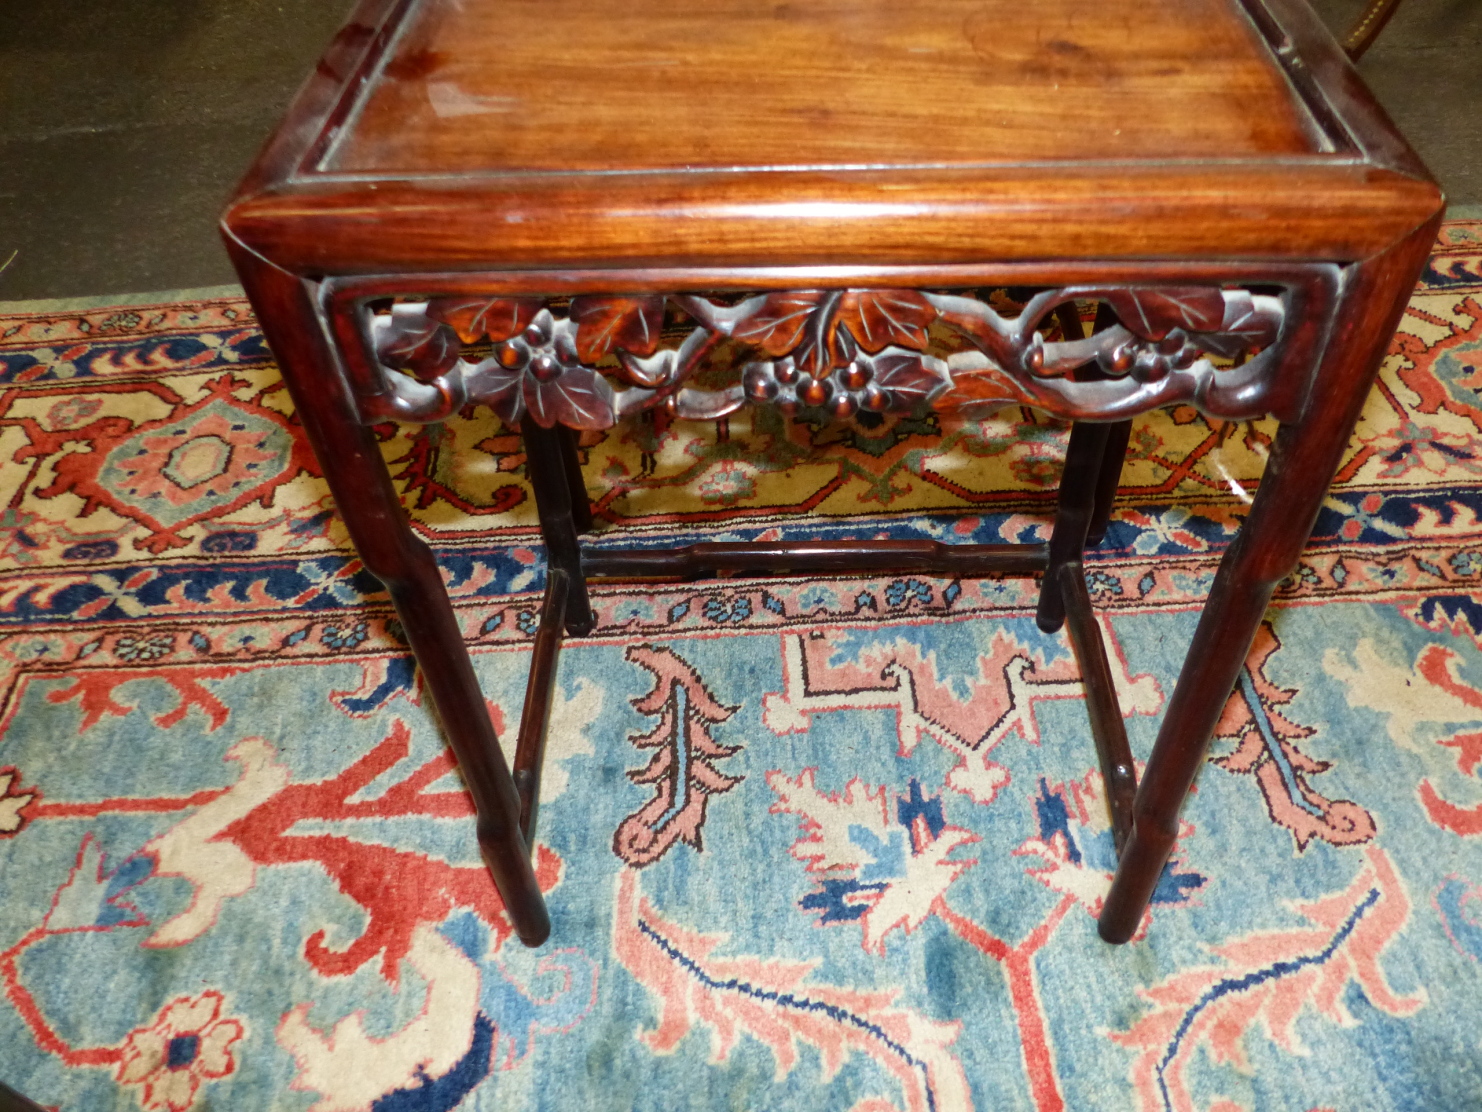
column 454, row 133
column 587, row 85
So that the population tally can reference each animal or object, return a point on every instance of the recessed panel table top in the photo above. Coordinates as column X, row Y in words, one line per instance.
column 451, row 134
column 512, row 85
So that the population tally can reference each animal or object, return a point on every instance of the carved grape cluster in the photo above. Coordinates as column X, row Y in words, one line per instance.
column 540, row 361
column 893, row 380
column 843, row 352
column 1151, row 360
column 1172, row 329
column 546, row 348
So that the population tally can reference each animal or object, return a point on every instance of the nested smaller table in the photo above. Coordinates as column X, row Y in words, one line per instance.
column 505, row 201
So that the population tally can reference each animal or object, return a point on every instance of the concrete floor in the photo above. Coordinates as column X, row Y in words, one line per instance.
column 123, row 125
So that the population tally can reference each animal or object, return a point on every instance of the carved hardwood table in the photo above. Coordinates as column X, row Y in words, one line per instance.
column 505, row 202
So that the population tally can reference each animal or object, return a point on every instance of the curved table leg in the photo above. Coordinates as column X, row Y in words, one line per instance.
column 1306, row 456
column 351, row 460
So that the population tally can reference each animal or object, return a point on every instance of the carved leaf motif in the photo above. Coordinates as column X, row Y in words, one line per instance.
column 497, row 318
column 1245, row 326
column 579, row 398
column 817, row 359
column 909, row 378
column 879, row 318
column 416, row 344
column 777, row 323
column 604, row 324
column 1153, row 312
column 500, row 389
column 987, row 388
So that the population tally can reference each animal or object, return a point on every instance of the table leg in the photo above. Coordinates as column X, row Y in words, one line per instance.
column 1118, row 433
column 1108, row 731
column 1073, row 516
column 581, row 505
column 539, row 688
column 1306, row 455
column 1117, row 436
column 350, row 457
column 550, row 459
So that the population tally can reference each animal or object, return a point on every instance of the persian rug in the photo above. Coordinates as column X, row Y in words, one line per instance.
column 824, row 843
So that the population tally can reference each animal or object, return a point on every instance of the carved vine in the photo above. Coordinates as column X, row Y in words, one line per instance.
column 841, row 352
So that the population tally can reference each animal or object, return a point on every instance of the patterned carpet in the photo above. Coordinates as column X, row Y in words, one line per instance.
column 824, row 844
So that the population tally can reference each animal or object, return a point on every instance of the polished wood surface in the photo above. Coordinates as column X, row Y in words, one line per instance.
column 810, row 219
column 1302, row 164
column 350, row 457
column 549, row 180
column 972, row 561
column 1305, row 457
column 586, row 85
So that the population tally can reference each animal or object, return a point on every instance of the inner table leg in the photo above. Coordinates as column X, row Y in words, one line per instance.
column 581, row 505
column 1108, row 731
column 1078, row 485
column 1110, row 476
column 1228, row 625
column 530, row 746
column 1118, row 433
column 550, row 463
column 351, row 460
column 1305, row 458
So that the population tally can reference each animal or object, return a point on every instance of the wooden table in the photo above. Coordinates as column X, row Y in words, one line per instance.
column 482, row 201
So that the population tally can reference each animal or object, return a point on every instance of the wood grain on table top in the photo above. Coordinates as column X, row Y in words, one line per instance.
column 636, row 136
column 588, row 85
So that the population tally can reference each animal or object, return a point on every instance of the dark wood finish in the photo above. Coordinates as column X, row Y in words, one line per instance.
column 1079, row 483
column 581, row 505
column 858, row 169
column 350, row 457
column 546, row 459
column 12, row 1101
column 1303, row 461
column 1117, row 436
column 536, row 713
column 341, row 293
column 1118, row 774
column 970, row 561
